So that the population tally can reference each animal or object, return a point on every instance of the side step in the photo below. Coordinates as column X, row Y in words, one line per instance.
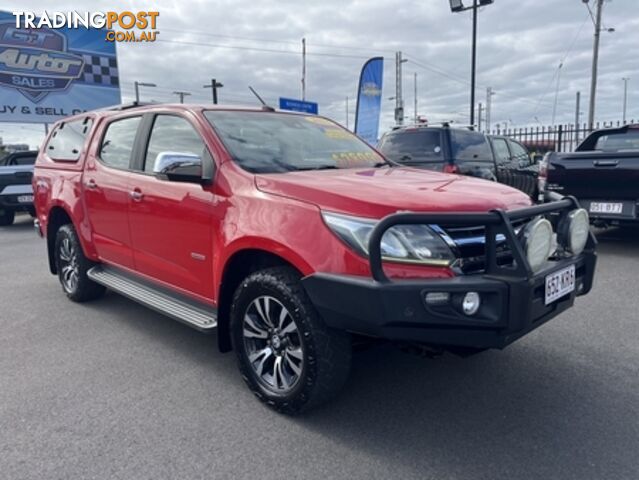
column 161, row 300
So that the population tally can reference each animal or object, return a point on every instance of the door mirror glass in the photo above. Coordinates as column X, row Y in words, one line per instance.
column 178, row 166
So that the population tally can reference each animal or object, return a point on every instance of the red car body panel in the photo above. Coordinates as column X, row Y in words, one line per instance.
column 182, row 235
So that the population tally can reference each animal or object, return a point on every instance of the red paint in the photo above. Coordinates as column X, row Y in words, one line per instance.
column 182, row 235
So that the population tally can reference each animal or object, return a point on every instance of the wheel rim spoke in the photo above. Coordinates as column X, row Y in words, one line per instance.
column 273, row 344
column 252, row 329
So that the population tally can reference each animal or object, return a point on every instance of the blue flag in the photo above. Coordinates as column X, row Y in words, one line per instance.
column 369, row 100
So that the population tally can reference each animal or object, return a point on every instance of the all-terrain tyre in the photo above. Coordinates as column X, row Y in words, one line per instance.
column 73, row 266
column 287, row 355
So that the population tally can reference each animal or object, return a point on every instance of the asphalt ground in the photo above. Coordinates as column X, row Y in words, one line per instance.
column 109, row 389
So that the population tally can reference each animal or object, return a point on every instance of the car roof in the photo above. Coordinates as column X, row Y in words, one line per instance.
column 177, row 107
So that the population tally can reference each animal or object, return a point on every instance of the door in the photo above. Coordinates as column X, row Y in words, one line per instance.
column 523, row 170
column 170, row 221
column 502, row 160
column 106, row 192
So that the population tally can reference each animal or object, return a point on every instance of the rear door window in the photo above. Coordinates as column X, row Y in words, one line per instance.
column 468, row 146
column 410, row 146
column 502, row 154
column 118, row 141
column 67, row 140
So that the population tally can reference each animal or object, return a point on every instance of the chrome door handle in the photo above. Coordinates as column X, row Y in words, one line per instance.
column 136, row 195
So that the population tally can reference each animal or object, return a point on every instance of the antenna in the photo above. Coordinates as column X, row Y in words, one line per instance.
column 264, row 105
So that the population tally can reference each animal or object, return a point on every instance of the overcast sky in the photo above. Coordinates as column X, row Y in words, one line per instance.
column 240, row 42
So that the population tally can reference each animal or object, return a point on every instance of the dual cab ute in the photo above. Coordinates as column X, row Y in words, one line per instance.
column 290, row 236
column 602, row 172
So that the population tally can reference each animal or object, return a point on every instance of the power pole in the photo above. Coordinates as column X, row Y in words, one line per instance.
column 489, row 106
column 473, row 64
column 399, row 101
column 595, row 60
column 303, row 68
column 214, row 86
column 181, row 95
column 415, row 84
column 577, row 115
column 479, row 107
column 625, row 97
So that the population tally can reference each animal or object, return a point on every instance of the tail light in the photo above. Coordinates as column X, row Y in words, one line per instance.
column 450, row 168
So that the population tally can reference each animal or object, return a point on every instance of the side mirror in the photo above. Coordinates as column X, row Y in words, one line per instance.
column 178, row 167
column 537, row 157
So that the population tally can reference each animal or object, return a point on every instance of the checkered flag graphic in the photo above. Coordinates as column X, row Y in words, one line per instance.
column 100, row 70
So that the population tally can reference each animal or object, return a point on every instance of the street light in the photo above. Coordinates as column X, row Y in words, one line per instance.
column 214, row 85
column 137, row 89
column 181, row 95
column 458, row 6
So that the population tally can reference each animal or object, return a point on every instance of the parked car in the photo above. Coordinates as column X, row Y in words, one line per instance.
column 291, row 236
column 514, row 164
column 16, row 193
column 602, row 172
column 441, row 148
column 463, row 151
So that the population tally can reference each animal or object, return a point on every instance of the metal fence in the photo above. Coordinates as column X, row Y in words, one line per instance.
column 559, row 138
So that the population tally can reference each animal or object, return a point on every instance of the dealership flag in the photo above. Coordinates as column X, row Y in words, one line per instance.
column 369, row 100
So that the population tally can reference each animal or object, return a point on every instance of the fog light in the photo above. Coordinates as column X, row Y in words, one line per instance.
column 538, row 242
column 574, row 231
column 437, row 298
column 471, row 303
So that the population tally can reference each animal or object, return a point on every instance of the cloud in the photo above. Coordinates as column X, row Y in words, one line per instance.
column 258, row 43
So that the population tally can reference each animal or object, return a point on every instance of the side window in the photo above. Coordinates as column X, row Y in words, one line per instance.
column 501, row 150
column 67, row 140
column 172, row 134
column 519, row 152
column 117, row 143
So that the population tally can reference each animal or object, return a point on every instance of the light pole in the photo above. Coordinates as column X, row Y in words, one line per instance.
column 596, row 20
column 137, row 89
column 625, row 97
column 458, row 6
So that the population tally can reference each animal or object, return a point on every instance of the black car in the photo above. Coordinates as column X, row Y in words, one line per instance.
column 514, row 165
column 602, row 172
column 16, row 192
column 464, row 151
column 442, row 148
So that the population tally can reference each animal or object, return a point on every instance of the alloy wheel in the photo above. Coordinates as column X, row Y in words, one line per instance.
column 273, row 344
column 69, row 265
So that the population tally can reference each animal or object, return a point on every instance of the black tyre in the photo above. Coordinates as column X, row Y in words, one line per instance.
column 6, row 217
column 288, row 357
column 73, row 266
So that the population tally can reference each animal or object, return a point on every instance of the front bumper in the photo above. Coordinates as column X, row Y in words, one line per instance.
column 513, row 299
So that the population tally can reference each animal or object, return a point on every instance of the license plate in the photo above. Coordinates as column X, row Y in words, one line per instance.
column 25, row 198
column 606, row 207
column 560, row 283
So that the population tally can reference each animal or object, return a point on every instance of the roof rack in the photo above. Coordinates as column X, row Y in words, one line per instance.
column 124, row 106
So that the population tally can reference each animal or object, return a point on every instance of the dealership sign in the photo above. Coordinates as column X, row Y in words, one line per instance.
column 47, row 74
column 298, row 105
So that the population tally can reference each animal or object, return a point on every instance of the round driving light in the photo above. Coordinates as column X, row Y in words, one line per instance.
column 471, row 303
column 538, row 242
column 578, row 230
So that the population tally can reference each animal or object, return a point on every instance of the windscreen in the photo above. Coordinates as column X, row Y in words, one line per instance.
column 413, row 146
column 619, row 142
column 468, row 146
column 265, row 142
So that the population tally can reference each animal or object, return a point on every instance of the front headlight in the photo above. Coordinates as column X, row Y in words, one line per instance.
column 402, row 243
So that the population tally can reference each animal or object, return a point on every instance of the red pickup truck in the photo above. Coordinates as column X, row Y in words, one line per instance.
column 290, row 237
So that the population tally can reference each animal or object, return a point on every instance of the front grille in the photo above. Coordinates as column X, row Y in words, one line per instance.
column 470, row 243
